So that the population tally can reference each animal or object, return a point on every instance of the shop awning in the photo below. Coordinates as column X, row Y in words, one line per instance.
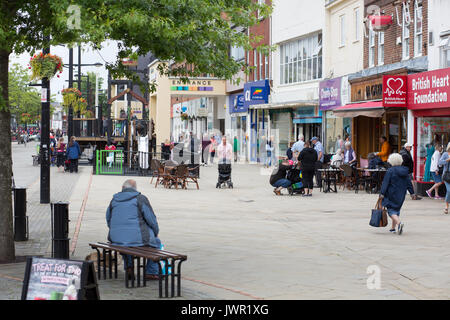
column 372, row 109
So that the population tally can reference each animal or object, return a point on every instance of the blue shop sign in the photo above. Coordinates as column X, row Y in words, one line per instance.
column 236, row 103
column 256, row 92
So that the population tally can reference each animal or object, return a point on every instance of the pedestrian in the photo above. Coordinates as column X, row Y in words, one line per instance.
column 445, row 161
column 224, row 151
column 396, row 183
column 408, row 161
column 339, row 143
column 308, row 159
column 298, row 146
column 60, row 153
column 337, row 159
column 235, row 148
column 385, row 149
column 289, row 152
column 278, row 178
column 73, row 152
column 212, row 149
column 123, row 121
column 132, row 223
column 435, row 174
column 269, row 151
column 110, row 155
column 350, row 155
column 104, row 126
column 320, row 157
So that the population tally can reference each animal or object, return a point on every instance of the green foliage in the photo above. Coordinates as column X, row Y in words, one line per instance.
column 23, row 99
column 45, row 66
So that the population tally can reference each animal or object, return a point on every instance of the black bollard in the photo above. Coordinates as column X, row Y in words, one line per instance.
column 60, row 230
column 20, row 214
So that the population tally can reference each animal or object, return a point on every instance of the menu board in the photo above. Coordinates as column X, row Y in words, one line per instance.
column 57, row 279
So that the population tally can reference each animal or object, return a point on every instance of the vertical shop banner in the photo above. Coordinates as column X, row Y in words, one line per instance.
column 395, row 91
column 330, row 94
column 429, row 90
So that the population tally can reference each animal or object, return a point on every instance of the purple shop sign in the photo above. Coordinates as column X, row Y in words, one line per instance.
column 330, row 94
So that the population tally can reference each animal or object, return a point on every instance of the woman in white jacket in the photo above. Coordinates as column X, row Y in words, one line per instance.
column 434, row 170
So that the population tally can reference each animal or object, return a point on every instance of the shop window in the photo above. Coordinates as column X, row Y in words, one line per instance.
column 431, row 130
column 338, row 130
column 380, row 48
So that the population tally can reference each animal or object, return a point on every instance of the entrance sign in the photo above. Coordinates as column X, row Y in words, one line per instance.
column 429, row 90
column 57, row 279
column 394, row 91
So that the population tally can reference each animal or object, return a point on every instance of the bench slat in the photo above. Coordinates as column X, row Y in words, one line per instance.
column 145, row 252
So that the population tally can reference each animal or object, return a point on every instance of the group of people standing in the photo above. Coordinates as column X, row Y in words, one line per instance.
column 69, row 153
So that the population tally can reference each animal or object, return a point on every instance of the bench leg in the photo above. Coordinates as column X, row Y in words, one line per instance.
column 115, row 264
column 160, row 280
column 172, row 265
column 179, row 278
column 144, row 267
column 110, row 263
column 99, row 264
column 166, row 277
column 132, row 268
column 139, row 271
column 104, row 264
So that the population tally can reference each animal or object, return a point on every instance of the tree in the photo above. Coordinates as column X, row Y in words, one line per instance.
column 198, row 32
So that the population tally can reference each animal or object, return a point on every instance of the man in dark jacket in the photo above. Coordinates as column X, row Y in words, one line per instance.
column 407, row 158
column 393, row 191
column 132, row 223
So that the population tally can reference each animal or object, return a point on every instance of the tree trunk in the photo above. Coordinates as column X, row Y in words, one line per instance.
column 7, row 250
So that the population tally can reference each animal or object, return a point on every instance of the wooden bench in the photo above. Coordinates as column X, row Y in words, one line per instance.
column 170, row 259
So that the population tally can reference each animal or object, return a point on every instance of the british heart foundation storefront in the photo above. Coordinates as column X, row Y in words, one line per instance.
column 429, row 100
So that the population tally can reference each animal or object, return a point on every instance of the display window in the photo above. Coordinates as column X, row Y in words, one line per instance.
column 430, row 130
column 338, row 131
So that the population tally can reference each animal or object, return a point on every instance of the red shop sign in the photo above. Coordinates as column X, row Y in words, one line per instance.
column 429, row 90
column 394, row 91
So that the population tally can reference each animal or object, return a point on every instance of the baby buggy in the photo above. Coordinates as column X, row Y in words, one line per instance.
column 66, row 165
column 224, row 176
column 295, row 176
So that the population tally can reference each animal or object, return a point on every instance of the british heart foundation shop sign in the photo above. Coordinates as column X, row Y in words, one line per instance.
column 429, row 90
column 395, row 91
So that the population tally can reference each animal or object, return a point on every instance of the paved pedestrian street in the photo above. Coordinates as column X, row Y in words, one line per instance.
column 247, row 243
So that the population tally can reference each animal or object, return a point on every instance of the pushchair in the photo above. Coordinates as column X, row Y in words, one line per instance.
column 224, row 176
column 295, row 176
column 66, row 165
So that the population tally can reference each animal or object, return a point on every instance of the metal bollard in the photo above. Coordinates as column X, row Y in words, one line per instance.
column 60, row 230
column 20, row 214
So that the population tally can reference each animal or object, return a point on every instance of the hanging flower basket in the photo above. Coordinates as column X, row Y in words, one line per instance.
column 184, row 116
column 45, row 66
column 70, row 97
column 88, row 114
column 80, row 106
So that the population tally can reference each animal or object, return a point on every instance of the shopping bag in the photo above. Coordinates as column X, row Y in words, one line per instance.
column 379, row 216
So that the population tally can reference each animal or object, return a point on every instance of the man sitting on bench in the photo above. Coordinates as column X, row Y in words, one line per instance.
column 132, row 223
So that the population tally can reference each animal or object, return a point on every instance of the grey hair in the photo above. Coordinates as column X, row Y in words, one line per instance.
column 448, row 147
column 129, row 184
column 301, row 136
column 348, row 143
column 395, row 159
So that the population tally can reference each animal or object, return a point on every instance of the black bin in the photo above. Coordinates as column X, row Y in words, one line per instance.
column 60, row 230
column 20, row 214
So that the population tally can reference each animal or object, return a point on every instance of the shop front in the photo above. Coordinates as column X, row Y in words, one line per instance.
column 239, row 115
column 307, row 121
column 429, row 100
column 334, row 93
column 378, row 108
column 257, row 93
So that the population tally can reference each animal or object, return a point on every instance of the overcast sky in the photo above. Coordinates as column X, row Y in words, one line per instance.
column 88, row 55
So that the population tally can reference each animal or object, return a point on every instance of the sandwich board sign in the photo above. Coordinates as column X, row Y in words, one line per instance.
column 58, row 279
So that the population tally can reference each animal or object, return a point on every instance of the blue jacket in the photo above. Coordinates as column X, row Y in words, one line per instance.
column 74, row 151
column 443, row 162
column 131, row 220
column 395, row 184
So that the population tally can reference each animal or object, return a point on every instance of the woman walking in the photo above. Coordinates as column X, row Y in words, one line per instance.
column 73, row 153
column 393, row 190
column 308, row 159
column 445, row 161
column 60, row 156
column 434, row 170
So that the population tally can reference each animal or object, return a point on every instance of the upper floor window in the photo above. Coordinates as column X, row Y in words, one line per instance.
column 371, row 47
column 237, row 53
column 380, row 48
column 418, row 28
column 405, row 33
column 357, row 24
column 260, row 2
column 301, row 60
column 445, row 53
column 261, row 57
column 266, row 68
column 255, row 64
column 342, row 30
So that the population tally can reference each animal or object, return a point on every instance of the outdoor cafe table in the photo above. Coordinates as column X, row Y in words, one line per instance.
column 379, row 176
column 327, row 179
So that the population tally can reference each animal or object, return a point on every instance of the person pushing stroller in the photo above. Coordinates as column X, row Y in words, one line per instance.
column 224, row 153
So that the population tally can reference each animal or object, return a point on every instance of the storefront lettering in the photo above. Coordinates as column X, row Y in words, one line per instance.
column 431, row 97
column 192, row 82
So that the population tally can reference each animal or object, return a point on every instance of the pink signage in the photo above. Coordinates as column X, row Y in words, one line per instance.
column 394, row 91
column 429, row 90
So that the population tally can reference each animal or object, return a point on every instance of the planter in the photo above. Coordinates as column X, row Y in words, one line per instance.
column 45, row 66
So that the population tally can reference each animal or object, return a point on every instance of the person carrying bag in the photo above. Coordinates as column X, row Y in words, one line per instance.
column 379, row 215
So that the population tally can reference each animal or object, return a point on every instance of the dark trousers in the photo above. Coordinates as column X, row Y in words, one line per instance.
column 319, row 165
column 73, row 165
column 307, row 178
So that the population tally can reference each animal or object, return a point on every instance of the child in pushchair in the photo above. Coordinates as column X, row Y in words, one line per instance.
column 224, row 176
column 295, row 176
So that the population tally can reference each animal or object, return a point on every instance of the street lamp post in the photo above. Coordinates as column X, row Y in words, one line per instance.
column 45, row 137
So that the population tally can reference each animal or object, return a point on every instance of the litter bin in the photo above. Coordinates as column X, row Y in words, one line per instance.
column 60, row 230
column 20, row 214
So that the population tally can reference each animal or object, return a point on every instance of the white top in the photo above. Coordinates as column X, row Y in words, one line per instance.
column 434, row 161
